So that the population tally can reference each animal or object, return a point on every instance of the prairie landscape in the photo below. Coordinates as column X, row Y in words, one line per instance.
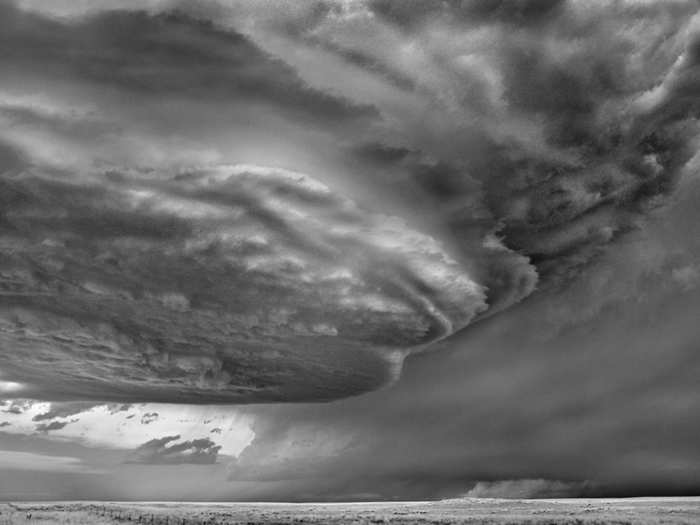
column 458, row 511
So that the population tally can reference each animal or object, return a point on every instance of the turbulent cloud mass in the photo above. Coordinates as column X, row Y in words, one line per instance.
column 482, row 216
column 185, row 288
column 141, row 277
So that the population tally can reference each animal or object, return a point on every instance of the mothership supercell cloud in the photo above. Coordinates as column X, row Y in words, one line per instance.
column 229, row 284
column 471, row 225
column 243, row 202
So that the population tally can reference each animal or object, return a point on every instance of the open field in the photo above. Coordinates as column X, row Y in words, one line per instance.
column 471, row 511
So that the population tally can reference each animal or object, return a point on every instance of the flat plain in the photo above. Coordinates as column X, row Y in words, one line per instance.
column 459, row 511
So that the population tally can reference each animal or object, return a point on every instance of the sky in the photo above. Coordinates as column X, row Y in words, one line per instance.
column 349, row 249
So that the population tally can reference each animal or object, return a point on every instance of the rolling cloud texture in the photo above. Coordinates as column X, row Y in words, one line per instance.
column 141, row 277
column 255, row 202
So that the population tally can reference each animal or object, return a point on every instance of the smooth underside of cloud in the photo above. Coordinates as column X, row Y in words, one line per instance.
column 479, row 215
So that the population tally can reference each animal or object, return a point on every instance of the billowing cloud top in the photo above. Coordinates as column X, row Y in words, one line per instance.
column 247, row 202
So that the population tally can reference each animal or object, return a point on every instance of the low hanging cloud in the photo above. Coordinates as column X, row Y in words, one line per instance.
column 250, row 264
column 255, row 202
column 169, row 450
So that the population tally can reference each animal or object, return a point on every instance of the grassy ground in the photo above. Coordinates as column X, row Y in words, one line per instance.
column 531, row 512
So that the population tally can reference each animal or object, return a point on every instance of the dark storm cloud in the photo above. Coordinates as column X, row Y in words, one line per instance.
column 170, row 54
column 451, row 161
column 5, row 424
column 532, row 132
column 566, row 150
column 104, row 270
column 608, row 399
column 146, row 89
column 354, row 290
column 516, row 12
column 452, row 198
column 594, row 385
column 168, row 451
column 553, row 147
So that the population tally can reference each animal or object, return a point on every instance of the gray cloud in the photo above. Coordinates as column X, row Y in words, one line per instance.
column 169, row 54
column 426, row 165
column 353, row 290
column 529, row 124
column 244, row 254
column 54, row 425
column 167, row 451
column 508, row 12
column 591, row 382
column 570, row 154
column 369, row 286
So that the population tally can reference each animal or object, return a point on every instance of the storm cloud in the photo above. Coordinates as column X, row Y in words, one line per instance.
column 198, row 279
column 147, row 278
column 254, row 264
column 482, row 216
